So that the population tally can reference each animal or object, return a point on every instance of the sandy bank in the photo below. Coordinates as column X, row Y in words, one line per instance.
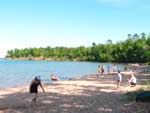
column 89, row 94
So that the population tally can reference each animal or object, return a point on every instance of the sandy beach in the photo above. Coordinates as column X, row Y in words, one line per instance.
column 88, row 94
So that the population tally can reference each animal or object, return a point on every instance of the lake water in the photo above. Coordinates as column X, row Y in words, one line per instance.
column 14, row 73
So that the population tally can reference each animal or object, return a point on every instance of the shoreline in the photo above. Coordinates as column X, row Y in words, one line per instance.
column 53, row 59
column 68, row 79
column 89, row 93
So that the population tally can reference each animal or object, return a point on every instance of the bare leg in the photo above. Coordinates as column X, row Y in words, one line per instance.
column 118, row 84
column 33, row 101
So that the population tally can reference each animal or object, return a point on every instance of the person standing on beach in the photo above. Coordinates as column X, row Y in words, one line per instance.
column 114, row 68
column 125, row 68
column 34, row 89
column 102, row 69
column 119, row 79
column 99, row 70
column 108, row 70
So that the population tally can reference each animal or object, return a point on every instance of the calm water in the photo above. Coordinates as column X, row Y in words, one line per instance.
column 15, row 73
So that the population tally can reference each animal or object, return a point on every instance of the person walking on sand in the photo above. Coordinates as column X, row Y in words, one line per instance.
column 119, row 79
column 34, row 89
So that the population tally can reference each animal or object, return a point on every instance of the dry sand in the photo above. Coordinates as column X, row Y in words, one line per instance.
column 88, row 94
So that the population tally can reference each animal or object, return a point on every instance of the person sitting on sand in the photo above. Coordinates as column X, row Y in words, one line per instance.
column 132, row 80
column 54, row 77
column 34, row 89
column 119, row 78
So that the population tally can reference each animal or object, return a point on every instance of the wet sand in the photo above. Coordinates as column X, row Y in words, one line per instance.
column 88, row 94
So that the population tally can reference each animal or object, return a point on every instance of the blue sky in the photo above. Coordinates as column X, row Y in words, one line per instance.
column 70, row 23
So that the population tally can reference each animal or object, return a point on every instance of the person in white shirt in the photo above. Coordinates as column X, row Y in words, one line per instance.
column 132, row 80
column 54, row 77
column 119, row 79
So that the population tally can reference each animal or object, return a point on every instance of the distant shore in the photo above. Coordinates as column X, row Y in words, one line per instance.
column 59, row 59
column 30, row 58
column 41, row 59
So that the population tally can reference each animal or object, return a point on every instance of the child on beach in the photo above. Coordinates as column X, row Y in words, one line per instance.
column 119, row 78
column 34, row 89
column 99, row 70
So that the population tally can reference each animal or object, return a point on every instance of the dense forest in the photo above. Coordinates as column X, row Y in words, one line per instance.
column 135, row 49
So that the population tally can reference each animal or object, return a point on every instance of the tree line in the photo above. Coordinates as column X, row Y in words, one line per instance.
column 135, row 49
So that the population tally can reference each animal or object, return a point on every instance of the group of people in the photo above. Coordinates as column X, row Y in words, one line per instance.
column 131, row 81
column 101, row 69
column 37, row 81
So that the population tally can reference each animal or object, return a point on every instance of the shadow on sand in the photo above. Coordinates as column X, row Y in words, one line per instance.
column 85, row 99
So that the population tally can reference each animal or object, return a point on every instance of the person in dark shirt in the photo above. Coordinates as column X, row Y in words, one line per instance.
column 102, row 69
column 34, row 89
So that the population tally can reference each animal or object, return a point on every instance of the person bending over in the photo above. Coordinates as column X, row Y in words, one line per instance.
column 34, row 89
column 132, row 80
